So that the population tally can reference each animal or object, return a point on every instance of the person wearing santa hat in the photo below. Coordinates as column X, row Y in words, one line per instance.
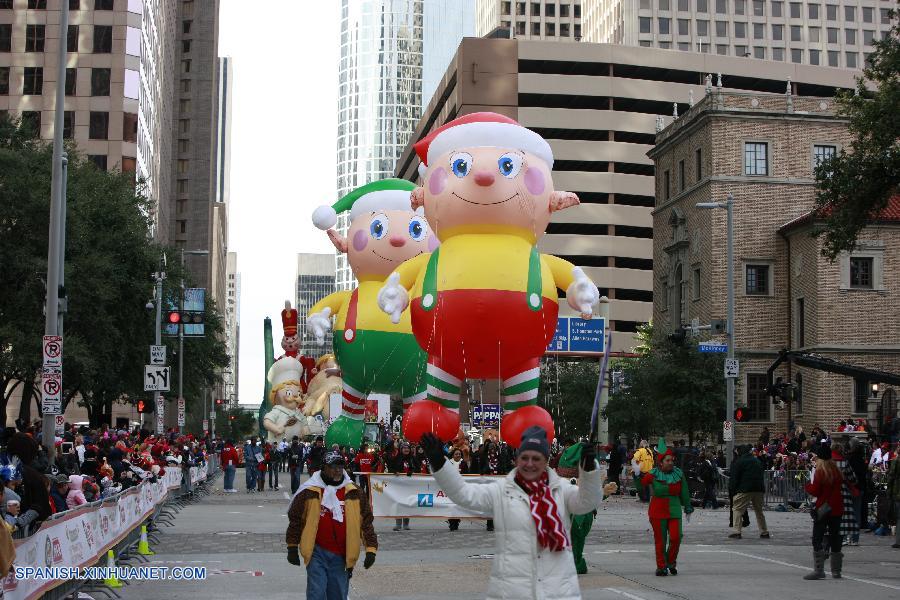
column 485, row 305
column 375, row 354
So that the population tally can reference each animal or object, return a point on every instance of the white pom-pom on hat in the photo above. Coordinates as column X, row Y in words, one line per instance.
column 324, row 217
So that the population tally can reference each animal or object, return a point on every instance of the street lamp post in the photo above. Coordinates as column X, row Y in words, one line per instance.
column 56, row 242
column 160, row 277
column 728, row 205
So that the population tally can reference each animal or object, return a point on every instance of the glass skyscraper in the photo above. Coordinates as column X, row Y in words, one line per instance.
column 388, row 47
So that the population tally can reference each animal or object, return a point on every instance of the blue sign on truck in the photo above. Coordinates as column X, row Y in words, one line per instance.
column 574, row 334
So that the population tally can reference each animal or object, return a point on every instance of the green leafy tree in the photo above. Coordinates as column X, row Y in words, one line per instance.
column 566, row 391
column 239, row 424
column 856, row 184
column 669, row 388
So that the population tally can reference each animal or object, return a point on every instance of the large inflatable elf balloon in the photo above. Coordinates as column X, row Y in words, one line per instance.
column 484, row 305
column 375, row 354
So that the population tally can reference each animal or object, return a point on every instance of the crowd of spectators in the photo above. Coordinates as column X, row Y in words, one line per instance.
column 90, row 464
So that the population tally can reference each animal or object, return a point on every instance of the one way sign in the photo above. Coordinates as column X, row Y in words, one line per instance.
column 156, row 378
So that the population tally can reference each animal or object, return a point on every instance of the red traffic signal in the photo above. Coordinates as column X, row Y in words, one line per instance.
column 219, row 401
column 174, row 317
column 143, row 406
column 740, row 415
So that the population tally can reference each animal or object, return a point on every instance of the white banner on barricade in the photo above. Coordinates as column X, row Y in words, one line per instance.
column 417, row 496
column 80, row 537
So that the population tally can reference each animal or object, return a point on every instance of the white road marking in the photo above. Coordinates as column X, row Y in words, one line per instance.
column 794, row 566
column 624, row 593
column 618, row 551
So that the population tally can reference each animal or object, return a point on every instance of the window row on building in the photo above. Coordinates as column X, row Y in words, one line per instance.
column 813, row 56
column 98, row 124
column 35, row 38
column 541, row 9
column 549, row 29
column 813, row 11
column 73, row 4
column 700, row 28
column 33, row 81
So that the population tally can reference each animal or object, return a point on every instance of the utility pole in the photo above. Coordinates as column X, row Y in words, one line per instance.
column 728, row 205
column 160, row 277
column 603, row 424
column 181, row 331
column 56, row 249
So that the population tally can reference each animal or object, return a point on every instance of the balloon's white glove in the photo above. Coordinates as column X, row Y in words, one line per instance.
column 582, row 294
column 318, row 324
column 393, row 298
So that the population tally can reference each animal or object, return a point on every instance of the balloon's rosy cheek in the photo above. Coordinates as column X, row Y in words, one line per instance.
column 438, row 181
column 534, row 181
column 433, row 242
column 360, row 240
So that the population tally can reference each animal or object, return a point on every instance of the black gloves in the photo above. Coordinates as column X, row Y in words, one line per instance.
column 588, row 456
column 370, row 559
column 294, row 555
column 434, row 450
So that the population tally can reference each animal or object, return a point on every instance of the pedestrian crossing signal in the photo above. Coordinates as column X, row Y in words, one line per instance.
column 144, row 407
column 740, row 415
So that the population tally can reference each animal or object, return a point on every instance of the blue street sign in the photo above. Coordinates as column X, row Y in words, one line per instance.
column 712, row 347
column 486, row 415
column 574, row 334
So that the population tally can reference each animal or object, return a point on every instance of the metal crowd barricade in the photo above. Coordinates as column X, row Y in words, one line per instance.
column 785, row 489
column 125, row 551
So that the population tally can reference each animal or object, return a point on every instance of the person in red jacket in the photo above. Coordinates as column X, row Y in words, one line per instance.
column 825, row 485
column 229, row 459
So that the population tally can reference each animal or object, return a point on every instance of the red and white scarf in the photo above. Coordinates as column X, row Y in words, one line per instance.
column 550, row 530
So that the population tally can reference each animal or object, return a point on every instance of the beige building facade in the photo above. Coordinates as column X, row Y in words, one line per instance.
column 762, row 148
column 597, row 105
column 835, row 33
column 556, row 20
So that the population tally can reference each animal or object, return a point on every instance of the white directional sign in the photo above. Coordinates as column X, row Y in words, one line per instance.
column 731, row 368
column 52, row 350
column 728, row 431
column 51, row 390
column 156, row 378
column 157, row 355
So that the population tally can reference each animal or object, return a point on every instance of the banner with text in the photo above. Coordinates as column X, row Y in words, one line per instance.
column 417, row 496
column 80, row 537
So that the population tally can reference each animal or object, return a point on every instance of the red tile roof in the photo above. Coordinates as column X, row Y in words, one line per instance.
column 890, row 213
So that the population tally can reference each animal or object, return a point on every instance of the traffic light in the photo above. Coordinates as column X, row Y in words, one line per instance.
column 143, row 406
column 193, row 317
column 740, row 414
column 219, row 401
column 174, row 317
column 678, row 336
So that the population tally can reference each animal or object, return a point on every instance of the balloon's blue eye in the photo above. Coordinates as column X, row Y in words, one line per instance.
column 509, row 165
column 460, row 167
column 378, row 228
column 461, row 164
column 417, row 229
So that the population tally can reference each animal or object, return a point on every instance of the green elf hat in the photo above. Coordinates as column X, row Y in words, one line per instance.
column 662, row 450
column 386, row 194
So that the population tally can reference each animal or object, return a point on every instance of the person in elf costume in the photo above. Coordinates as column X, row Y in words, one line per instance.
column 485, row 304
column 375, row 354
column 669, row 496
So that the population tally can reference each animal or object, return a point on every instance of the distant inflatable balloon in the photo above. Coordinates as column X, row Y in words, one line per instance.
column 484, row 305
column 376, row 354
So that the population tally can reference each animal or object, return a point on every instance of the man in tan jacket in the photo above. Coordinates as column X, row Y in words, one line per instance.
column 329, row 520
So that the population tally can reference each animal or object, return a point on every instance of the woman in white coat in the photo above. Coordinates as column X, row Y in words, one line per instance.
column 531, row 508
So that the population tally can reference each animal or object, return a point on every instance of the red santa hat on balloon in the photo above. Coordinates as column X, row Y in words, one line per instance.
column 481, row 129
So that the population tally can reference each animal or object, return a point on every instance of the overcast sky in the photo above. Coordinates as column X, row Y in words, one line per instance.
column 283, row 145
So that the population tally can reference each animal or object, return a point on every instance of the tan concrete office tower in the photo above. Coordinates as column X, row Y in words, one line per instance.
column 314, row 280
column 836, row 33
column 102, row 84
column 597, row 106
column 558, row 20
column 200, row 219
column 232, row 330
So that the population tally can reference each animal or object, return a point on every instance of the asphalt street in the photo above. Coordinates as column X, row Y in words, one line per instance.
column 239, row 538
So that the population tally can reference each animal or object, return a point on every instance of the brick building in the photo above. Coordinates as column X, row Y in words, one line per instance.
column 763, row 148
